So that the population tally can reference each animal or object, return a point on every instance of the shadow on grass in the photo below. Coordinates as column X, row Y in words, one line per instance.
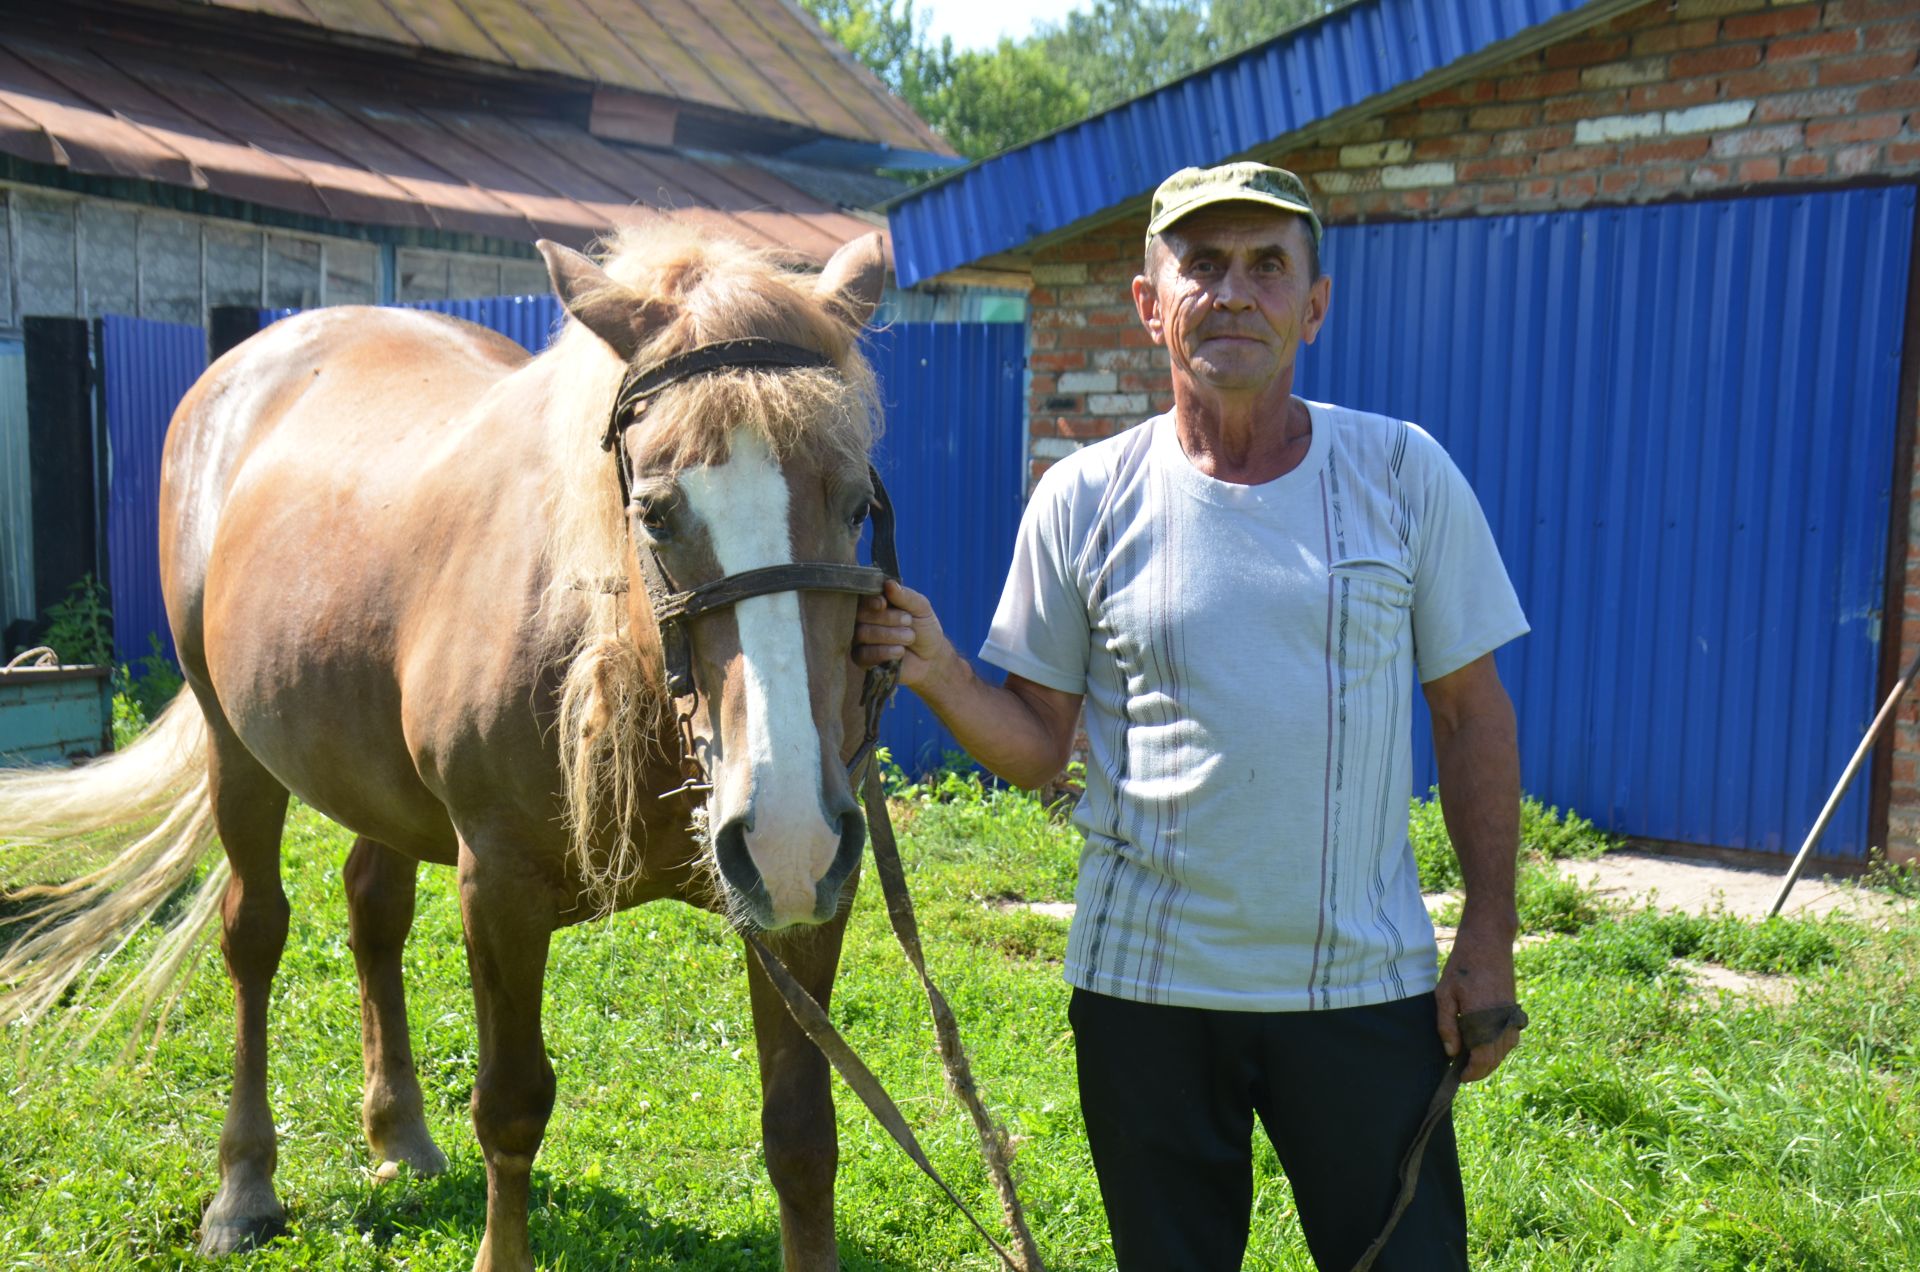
column 571, row 1224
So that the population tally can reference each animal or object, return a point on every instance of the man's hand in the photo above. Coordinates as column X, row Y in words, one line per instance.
column 1478, row 975
column 901, row 624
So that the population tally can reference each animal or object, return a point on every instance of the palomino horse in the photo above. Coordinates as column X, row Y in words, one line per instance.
column 406, row 584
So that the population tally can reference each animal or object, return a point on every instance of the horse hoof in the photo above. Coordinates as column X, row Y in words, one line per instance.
column 234, row 1237
column 423, row 1159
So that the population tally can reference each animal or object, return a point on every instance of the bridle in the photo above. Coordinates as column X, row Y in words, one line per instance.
column 675, row 609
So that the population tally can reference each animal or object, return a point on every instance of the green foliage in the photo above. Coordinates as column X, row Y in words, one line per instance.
column 985, row 101
column 137, row 699
column 80, row 628
column 1546, row 834
column 1643, row 945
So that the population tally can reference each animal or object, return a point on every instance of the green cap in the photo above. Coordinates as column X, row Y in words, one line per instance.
column 1190, row 189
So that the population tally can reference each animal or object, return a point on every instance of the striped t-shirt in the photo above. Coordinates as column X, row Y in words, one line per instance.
column 1246, row 655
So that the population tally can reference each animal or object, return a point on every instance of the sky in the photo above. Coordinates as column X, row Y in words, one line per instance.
column 979, row 24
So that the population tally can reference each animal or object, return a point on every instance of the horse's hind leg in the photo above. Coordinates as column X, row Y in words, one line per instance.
column 249, row 809
column 796, row 1110
column 380, row 892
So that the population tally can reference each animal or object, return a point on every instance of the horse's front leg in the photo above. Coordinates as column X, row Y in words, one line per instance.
column 380, row 898
column 508, row 909
column 796, row 1113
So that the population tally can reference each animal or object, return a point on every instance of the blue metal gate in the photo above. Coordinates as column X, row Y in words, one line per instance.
column 1680, row 421
column 149, row 368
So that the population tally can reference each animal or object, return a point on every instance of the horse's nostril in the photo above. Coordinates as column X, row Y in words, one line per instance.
column 853, row 837
column 737, row 870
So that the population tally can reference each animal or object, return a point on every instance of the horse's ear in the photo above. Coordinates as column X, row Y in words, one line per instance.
column 601, row 305
column 855, row 276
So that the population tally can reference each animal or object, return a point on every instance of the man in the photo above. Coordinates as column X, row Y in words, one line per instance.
column 1237, row 591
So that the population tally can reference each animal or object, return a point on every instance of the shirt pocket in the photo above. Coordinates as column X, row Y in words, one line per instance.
column 1371, row 612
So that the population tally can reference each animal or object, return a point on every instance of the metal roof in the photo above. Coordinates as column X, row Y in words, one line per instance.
column 1302, row 76
column 766, row 58
column 347, row 152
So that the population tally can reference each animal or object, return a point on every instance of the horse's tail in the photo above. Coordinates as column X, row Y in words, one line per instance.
column 152, row 797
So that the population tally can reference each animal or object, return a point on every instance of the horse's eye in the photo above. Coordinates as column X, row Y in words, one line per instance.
column 858, row 519
column 652, row 516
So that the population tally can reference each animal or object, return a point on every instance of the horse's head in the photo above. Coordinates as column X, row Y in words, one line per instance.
column 737, row 467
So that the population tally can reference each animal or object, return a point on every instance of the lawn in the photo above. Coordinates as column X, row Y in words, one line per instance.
column 1645, row 1123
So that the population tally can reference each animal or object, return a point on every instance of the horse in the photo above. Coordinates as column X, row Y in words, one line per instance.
column 409, row 583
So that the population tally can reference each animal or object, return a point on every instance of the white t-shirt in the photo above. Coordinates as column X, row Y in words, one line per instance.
column 1246, row 653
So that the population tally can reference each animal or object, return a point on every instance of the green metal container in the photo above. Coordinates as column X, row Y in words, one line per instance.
column 53, row 714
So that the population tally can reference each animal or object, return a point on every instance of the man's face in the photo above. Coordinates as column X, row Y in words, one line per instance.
column 1229, row 294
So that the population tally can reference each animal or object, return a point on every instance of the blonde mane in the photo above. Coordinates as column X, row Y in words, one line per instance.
column 614, row 713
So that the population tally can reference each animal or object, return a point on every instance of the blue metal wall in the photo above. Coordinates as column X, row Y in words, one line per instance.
column 1680, row 421
column 953, row 457
column 954, row 460
column 149, row 367
column 1235, row 106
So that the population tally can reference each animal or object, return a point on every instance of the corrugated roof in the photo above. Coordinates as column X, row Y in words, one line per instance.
column 343, row 153
column 757, row 57
column 1305, row 75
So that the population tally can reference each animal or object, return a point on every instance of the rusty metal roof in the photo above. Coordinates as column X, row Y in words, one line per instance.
column 765, row 58
column 348, row 152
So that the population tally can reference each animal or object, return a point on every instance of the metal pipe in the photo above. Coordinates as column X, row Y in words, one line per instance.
column 1846, row 780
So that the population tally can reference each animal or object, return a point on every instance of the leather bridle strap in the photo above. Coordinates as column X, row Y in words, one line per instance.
column 751, row 354
column 1477, row 1029
column 806, row 576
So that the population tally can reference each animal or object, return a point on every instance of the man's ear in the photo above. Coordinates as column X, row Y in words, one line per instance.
column 612, row 312
column 1319, row 301
column 1146, row 303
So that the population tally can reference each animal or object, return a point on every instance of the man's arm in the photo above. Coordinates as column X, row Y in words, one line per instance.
column 1476, row 747
column 1019, row 731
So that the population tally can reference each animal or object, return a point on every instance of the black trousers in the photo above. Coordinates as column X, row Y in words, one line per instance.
column 1170, row 1094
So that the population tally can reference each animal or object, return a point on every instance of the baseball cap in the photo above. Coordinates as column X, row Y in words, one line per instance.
column 1190, row 189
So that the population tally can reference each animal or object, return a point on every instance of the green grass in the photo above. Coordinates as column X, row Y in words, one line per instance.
column 1644, row 1123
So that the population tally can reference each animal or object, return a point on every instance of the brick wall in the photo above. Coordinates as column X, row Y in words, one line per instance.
column 1673, row 99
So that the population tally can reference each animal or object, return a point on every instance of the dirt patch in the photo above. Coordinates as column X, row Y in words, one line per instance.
column 1774, row 991
column 1699, row 887
column 1052, row 909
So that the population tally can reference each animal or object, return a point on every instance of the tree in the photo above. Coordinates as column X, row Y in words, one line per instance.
column 990, row 101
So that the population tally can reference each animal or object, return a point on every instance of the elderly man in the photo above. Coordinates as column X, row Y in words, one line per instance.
column 1237, row 592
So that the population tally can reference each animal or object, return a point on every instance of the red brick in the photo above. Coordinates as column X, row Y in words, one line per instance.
column 1663, row 151
column 1771, row 78
column 1416, row 200
column 1903, row 154
column 1039, row 337
column 1807, row 165
column 1471, row 93
column 1575, row 158
column 1868, row 66
column 1586, row 53
column 1527, row 140
column 1867, row 10
column 1482, row 169
column 1756, row 170
column 1710, row 174
column 1618, row 181
column 1088, row 250
column 1490, row 118
column 1060, row 360
column 1673, row 95
column 1538, row 188
column 1716, row 60
column 1578, row 188
column 1677, row 36
column 1858, row 128
column 1757, row 141
column 1317, row 160
column 1856, row 161
column 1041, row 383
column 1890, row 35
column 1112, row 317
column 1899, row 94
column 1762, row 26
column 1586, row 106
column 1495, row 195
column 1814, row 105
column 1084, row 428
column 1544, row 84
column 1826, row 44
column 1340, row 208
column 1460, row 146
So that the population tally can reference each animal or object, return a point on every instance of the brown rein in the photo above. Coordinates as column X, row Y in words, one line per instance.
column 672, row 610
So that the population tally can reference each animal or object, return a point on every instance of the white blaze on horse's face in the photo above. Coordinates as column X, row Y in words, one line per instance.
column 770, row 800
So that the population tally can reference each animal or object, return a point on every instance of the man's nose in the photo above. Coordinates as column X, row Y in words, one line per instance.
column 1233, row 290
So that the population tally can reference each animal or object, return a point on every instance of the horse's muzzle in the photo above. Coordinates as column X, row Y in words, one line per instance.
column 743, row 879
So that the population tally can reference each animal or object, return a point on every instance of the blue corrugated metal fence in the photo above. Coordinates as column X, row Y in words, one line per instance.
column 149, row 367
column 1680, row 420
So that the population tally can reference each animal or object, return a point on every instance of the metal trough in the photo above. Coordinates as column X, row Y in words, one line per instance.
column 50, row 713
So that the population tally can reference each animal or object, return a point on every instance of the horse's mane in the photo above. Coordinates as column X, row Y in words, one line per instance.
column 613, row 711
